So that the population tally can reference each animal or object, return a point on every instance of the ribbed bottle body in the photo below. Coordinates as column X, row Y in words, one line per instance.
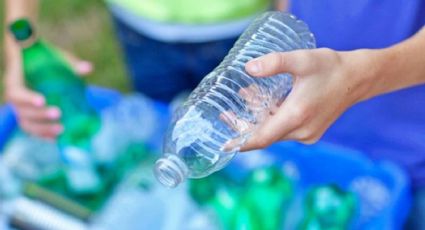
column 229, row 104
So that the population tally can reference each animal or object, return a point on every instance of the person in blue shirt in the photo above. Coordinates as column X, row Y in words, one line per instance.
column 364, row 90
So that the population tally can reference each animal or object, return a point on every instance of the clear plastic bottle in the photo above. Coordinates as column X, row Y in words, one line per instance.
column 119, row 127
column 229, row 104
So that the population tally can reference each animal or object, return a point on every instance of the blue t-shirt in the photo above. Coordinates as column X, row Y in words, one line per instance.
column 390, row 126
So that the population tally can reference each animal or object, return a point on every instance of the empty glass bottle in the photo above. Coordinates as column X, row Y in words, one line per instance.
column 228, row 104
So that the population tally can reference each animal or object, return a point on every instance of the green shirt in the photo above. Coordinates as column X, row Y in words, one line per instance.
column 193, row 11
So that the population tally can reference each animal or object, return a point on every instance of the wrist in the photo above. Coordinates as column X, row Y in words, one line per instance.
column 360, row 71
column 393, row 68
column 388, row 66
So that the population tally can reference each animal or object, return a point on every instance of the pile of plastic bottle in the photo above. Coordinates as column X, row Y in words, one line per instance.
column 261, row 191
column 34, row 168
column 268, row 199
column 100, row 176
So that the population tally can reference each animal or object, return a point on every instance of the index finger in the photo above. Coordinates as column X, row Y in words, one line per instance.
column 25, row 97
column 287, row 118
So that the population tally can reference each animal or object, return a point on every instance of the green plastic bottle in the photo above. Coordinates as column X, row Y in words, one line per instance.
column 228, row 207
column 258, row 204
column 218, row 193
column 328, row 207
column 245, row 219
column 268, row 195
column 46, row 71
column 204, row 190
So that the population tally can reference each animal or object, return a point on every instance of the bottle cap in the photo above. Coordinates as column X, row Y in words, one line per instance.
column 21, row 29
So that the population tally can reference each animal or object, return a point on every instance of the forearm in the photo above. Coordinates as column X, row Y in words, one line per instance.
column 328, row 82
column 281, row 5
column 397, row 67
column 15, row 9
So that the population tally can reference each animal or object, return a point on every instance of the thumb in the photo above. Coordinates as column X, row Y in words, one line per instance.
column 81, row 67
column 294, row 62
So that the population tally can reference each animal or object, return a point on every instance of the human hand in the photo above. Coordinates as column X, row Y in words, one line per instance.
column 326, row 83
column 34, row 116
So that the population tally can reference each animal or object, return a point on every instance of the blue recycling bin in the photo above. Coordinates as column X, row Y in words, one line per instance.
column 317, row 164
column 385, row 198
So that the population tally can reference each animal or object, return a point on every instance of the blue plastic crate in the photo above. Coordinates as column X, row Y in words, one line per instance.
column 317, row 164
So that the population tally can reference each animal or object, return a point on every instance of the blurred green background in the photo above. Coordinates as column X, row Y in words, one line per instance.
column 85, row 29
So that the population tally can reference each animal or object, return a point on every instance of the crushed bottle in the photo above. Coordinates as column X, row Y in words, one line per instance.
column 229, row 104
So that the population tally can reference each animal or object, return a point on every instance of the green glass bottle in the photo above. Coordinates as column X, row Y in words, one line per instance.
column 46, row 71
column 328, row 207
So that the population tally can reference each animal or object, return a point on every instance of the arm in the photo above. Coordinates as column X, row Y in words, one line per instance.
column 400, row 66
column 32, row 113
column 328, row 82
column 281, row 5
column 15, row 9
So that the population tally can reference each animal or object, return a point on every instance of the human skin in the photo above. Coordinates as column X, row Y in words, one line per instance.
column 328, row 82
column 34, row 116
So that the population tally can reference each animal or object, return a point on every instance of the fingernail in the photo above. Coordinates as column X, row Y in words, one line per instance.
column 84, row 67
column 254, row 67
column 228, row 146
column 53, row 113
column 38, row 101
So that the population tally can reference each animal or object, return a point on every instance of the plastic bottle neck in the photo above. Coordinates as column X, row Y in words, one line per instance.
column 170, row 171
column 27, row 43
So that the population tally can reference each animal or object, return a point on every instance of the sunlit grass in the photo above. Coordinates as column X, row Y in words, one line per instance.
column 85, row 29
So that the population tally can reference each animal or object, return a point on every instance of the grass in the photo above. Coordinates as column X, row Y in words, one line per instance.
column 83, row 28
